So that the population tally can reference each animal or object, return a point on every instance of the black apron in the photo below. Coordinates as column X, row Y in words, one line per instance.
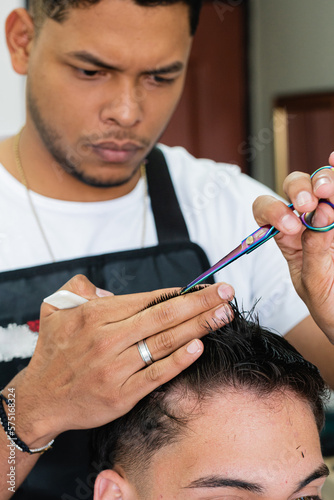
column 65, row 472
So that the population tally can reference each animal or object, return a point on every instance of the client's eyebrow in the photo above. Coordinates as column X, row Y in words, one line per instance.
column 225, row 482
column 321, row 471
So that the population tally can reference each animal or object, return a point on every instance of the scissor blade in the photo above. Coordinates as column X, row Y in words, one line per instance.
column 250, row 243
column 230, row 257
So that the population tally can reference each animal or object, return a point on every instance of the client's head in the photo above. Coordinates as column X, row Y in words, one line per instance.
column 241, row 423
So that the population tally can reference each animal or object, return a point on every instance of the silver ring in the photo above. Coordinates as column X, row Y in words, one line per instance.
column 144, row 352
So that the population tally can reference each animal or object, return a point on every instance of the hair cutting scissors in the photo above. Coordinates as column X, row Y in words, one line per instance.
column 256, row 239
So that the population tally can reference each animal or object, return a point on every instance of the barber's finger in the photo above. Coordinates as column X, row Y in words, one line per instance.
column 110, row 310
column 304, row 192
column 168, row 341
column 269, row 210
column 298, row 188
column 120, row 308
column 145, row 381
column 173, row 312
column 78, row 285
column 323, row 183
column 81, row 285
column 113, row 320
column 331, row 159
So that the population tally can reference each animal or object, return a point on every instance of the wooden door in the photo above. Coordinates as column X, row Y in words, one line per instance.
column 211, row 119
column 303, row 133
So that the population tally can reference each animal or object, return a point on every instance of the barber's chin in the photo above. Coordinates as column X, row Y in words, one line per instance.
column 114, row 176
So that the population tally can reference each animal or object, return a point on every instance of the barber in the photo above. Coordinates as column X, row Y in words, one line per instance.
column 310, row 255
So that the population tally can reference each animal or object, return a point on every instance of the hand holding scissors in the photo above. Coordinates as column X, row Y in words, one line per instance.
column 310, row 255
column 257, row 238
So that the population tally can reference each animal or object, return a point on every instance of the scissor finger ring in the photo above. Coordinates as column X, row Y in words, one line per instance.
column 306, row 219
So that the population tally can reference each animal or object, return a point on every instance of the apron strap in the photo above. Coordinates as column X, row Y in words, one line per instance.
column 169, row 220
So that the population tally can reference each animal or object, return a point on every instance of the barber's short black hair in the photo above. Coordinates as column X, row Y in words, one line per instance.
column 58, row 9
column 240, row 356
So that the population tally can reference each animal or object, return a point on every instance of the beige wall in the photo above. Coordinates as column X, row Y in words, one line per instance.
column 292, row 51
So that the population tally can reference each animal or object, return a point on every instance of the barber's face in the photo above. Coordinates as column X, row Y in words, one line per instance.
column 240, row 448
column 103, row 85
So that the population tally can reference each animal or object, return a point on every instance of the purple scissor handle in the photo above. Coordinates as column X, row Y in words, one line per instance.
column 256, row 239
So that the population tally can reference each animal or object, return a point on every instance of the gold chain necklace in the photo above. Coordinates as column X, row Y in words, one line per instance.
column 24, row 181
column 31, row 203
column 145, row 203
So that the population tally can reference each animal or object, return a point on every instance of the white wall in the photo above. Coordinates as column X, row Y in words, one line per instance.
column 11, row 84
column 292, row 51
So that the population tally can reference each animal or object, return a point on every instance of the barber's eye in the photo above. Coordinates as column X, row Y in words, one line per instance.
column 158, row 80
column 161, row 79
column 88, row 72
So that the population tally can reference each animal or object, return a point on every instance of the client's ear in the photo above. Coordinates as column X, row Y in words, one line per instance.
column 109, row 485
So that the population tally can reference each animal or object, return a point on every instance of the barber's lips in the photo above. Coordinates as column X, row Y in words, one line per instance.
column 116, row 153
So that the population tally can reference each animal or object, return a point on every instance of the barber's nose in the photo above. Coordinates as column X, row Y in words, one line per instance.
column 124, row 106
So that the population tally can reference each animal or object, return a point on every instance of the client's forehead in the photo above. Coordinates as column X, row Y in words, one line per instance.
column 269, row 443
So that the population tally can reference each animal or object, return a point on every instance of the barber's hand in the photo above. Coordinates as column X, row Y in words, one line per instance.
column 86, row 369
column 310, row 255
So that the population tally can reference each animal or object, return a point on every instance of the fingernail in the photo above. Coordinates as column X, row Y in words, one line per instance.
column 103, row 293
column 223, row 314
column 303, row 198
column 194, row 347
column 290, row 223
column 226, row 292
column 321, row 182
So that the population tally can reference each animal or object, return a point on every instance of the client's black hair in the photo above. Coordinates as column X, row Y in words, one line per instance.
column 240, row 356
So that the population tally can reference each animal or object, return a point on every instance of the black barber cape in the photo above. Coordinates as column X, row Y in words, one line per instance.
column 66, row 472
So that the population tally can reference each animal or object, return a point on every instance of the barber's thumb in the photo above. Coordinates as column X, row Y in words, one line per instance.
column 317, row 253
column 81, row 285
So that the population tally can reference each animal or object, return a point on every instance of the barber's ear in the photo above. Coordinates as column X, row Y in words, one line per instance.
column 19, row 35
column 109, row 485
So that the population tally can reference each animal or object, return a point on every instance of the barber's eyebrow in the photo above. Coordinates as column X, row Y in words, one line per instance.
column 171, row 68
column 321, row 471
column 87, row 57
column 225, row 482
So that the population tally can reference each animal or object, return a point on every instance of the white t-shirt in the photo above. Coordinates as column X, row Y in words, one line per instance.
column 216, row 200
